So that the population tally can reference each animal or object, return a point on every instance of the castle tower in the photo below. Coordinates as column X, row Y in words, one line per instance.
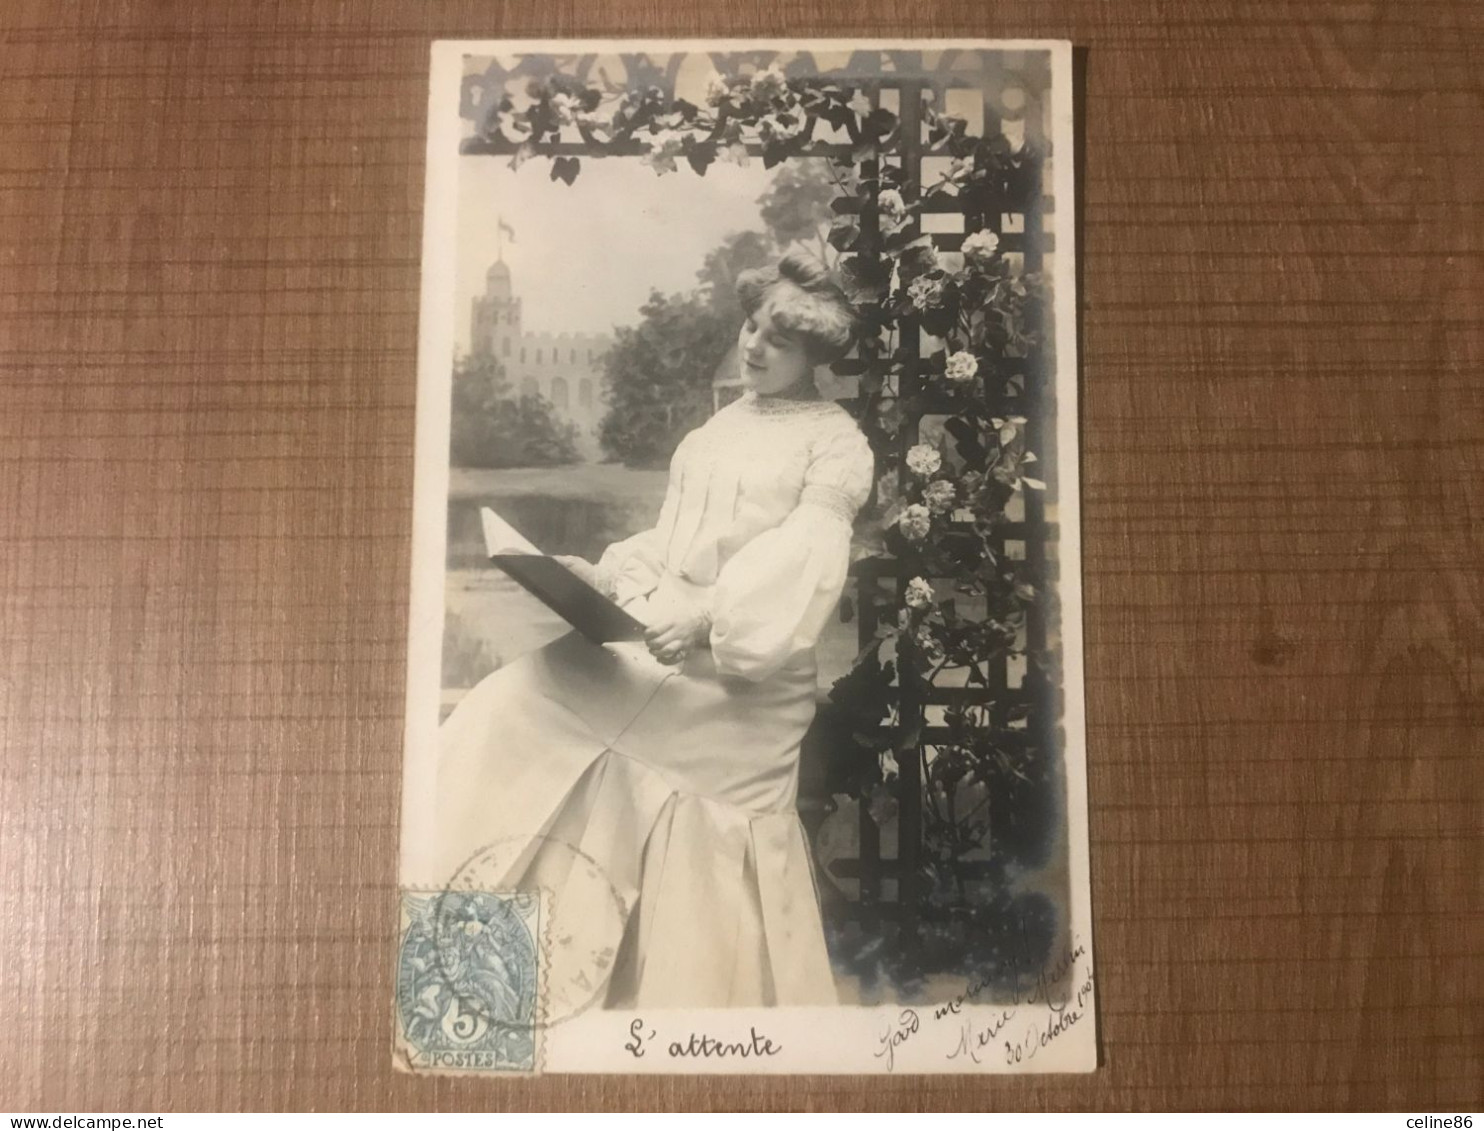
column 496, row 330
column 565, row 368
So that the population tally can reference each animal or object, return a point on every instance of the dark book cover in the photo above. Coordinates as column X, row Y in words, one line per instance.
column 554, row 585
column 571, row 598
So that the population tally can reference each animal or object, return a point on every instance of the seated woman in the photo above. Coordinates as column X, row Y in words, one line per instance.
column 679, row 782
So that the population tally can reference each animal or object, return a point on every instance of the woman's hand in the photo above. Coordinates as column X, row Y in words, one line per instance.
column 580, row 566
column 675, row 633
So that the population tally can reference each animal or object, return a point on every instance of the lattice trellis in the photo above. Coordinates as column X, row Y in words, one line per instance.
column 880, row 582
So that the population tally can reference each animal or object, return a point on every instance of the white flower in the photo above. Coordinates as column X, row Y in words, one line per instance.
column 769, row 83
column 929, row 644
column 925, row 293
column 564, row 106
column 663, row 147
column 962, row 366
column 981, row 246
column 889, row 767
column 924, row 459
column 891, row 204
column 718, row 90
column 661, row 140
column 919, row 594
column 939, row 496
column 737, row 154
column 915, row 522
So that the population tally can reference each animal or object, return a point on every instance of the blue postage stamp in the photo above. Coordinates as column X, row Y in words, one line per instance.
column 469, row 977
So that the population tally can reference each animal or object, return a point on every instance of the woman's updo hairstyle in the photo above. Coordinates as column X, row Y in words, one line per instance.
column 810, row 304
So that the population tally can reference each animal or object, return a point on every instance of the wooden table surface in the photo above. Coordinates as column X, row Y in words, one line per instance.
column 209, row 236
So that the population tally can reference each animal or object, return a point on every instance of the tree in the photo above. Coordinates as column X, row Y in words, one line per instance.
column 659, row 377
column 659, row 371
column 739, row 252
column 796, row 206
column 493, row 428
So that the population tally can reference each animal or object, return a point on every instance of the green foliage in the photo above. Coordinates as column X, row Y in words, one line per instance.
column 492, row 428
column 659, row 377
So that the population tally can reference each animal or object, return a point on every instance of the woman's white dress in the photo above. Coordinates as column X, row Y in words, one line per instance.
column 680, row 783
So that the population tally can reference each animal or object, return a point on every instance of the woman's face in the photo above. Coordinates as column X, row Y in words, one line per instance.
column 770, row 359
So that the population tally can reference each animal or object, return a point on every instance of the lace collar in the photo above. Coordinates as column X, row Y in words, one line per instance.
column 782, row 406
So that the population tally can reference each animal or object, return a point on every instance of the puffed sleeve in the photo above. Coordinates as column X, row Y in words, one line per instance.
column 774, row 595
column 631, row 568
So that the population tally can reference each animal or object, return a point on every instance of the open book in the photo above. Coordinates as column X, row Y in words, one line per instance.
column 555, row 586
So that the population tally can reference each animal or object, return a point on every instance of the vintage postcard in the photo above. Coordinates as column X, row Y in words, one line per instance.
column 745, row 701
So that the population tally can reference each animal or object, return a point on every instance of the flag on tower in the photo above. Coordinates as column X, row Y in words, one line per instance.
column 507, row 230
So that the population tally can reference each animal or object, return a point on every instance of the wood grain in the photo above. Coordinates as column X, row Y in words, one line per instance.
column 209, row 232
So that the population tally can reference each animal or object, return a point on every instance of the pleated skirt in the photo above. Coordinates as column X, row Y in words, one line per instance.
column 678, row 785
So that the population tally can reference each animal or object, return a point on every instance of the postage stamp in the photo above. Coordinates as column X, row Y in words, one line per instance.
column 469, row 977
